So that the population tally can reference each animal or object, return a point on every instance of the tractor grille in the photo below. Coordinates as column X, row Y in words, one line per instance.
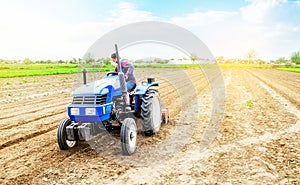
column 91, row 100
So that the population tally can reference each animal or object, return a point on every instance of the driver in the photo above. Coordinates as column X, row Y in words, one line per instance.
column 127, row 69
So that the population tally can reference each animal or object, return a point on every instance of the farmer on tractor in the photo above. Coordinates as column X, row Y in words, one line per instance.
column 112, row 104
column 127, row 69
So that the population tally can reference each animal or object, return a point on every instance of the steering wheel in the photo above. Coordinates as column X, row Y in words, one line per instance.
column 112, row 74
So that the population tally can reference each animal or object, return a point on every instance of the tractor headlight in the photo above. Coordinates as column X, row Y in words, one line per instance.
column 90, row 111
column 104, row 91
column 74, row 111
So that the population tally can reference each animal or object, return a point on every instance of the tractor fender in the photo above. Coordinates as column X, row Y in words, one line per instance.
column 143, row 87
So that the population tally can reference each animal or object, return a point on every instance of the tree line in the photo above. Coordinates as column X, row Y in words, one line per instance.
column 250, row 58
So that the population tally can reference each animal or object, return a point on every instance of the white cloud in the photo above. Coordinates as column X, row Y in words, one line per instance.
column 25, row 34
column 202, row 18
column 296, row 29
column 256, row 26
column 128, row 13
column 297, row 2
column 215, row 28
column 258, row 9
column 50, row 40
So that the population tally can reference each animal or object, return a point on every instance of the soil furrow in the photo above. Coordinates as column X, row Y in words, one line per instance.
column 35, row 118
column 29, row 130
column 28, row 103
column 290, row 95
column 26, row 137
column 255, row 144
column 48, row 105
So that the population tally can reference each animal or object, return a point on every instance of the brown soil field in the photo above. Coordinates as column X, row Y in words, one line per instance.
column 257, row 140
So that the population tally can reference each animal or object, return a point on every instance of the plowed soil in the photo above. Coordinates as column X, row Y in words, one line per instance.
column 256, row 142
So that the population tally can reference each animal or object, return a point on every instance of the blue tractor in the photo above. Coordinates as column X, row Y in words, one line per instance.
column 105, row 103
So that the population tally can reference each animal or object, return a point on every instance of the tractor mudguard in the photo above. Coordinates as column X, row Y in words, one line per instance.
column 142, row 89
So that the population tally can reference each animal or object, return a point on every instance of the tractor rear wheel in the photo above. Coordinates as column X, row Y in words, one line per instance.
column 63, row 143
column 151, row 112
column 128, row 136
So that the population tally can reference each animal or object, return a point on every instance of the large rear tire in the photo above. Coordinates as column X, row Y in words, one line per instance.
column 63, row 143
column 128, row 136
column 151, row 112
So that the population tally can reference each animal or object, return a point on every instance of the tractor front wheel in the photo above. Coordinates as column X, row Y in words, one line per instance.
column 63, row 143
column 128, row 136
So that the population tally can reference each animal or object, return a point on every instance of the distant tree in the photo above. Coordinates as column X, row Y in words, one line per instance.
column 228, row 61
column 260, row 61
column 281, row 60
column 99, row 61
column 220, row 59
column 161, row 61
column 296, row 57
column 250, row 56
column 107, row 61
column 88, row 58
column 74, row 61
column 138, row 61
column 27, row 61
column 193, row 57
column 241, row 61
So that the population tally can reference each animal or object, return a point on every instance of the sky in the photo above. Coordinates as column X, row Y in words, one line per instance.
column 65, row 29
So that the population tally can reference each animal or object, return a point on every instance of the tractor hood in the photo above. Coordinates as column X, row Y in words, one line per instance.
column 97, row 86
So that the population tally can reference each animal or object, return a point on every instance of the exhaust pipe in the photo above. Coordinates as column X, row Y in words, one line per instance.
column 122, row 78
column 84, row 71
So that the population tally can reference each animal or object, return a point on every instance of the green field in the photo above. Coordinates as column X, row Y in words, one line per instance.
column 244, row 66
column 197, row 66
column 182, row 66
column 20, row 70
column 290, row 69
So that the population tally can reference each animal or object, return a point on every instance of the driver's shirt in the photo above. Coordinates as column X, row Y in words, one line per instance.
column 127, row 69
